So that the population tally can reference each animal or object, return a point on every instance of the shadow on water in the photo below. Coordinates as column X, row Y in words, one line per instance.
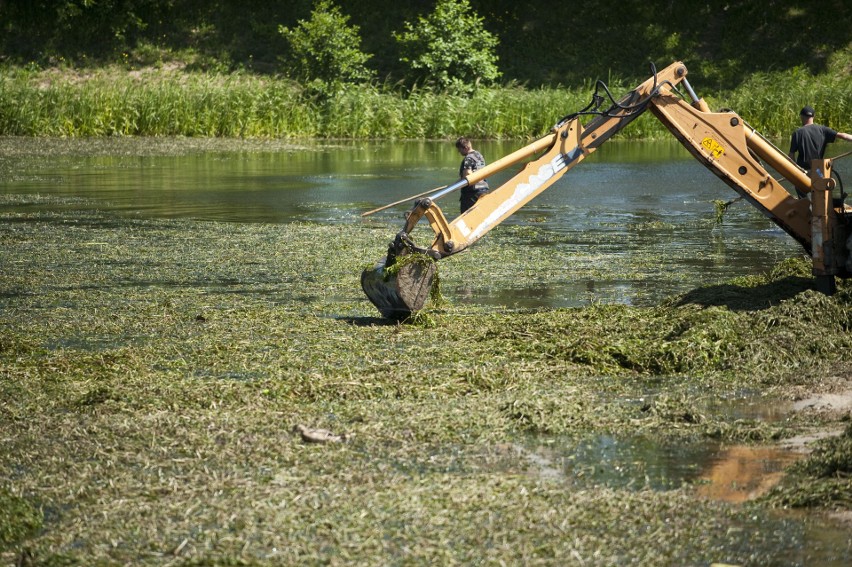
column 368, row 321
column 739, row 298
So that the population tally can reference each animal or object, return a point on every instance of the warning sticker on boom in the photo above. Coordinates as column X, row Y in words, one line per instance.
column 715, row 148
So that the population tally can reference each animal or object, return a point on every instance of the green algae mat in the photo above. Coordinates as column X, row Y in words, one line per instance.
column 152, row 373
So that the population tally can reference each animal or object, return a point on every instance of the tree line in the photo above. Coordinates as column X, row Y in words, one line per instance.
column 535, row 43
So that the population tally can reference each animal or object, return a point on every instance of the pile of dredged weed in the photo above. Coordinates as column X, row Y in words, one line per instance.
column 823, row 479
column 767, row 327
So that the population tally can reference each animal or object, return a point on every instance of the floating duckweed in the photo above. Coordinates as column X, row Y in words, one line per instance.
column 149, row 385
column 18, row 520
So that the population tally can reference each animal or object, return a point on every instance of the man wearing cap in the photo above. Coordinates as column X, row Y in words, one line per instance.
column 810, row 140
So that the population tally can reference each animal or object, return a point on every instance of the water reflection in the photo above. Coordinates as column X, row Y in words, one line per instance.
column 619, row 462
column 732, row 474
column 727, row 473
column 565, row 294
column 277, row 183
column 743, row 473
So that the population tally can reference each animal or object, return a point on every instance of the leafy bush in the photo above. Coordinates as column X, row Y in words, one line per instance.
column 451, row 47
column 325, row 51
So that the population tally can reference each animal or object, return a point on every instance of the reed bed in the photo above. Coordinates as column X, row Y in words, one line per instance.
column 175, row 103
column 771, row 101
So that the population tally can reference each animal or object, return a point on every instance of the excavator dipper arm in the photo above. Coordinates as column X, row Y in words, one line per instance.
column 567, row 144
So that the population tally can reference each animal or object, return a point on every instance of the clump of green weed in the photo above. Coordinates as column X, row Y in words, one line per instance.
column 18, row 520
column 743, row 431
column 406, row 260
column 721, row 207
column 435, row 295
column 823, row 479
column 832, row 458
column 674, row 409
column 542, row 415
column 421, row 319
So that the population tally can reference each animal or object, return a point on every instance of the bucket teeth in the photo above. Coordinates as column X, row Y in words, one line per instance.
column 398, row 292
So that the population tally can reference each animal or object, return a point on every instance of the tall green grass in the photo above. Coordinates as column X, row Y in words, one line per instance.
column 771, row 101
column 170, row 103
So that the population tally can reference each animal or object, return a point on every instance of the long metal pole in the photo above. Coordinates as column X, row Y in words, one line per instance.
column 401, row 201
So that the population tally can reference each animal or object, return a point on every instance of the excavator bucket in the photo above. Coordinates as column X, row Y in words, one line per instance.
column 401, row 289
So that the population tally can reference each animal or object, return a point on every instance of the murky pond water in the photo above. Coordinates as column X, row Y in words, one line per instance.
column 628, row 200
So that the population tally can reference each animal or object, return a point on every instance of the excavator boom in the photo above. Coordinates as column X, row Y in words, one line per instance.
column 722, row 142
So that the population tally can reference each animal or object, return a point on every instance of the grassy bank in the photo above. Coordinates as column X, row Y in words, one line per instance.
column 151, row 373
column 161, row 102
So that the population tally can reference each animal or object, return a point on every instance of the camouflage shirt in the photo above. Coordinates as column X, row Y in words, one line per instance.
column 471, row 162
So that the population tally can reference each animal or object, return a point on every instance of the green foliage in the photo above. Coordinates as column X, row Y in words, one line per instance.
column 544, row 43
column 824, row 478
column 325, row 50
column 163, row 103
column 174, row 102
column 832, row 457
column 451, row 47
column 18, row 519
column 776, row 97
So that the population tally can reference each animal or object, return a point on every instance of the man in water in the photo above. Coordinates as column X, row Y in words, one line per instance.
column 471, row 161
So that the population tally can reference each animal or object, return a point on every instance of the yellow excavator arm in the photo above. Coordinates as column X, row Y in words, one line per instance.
column 721, row 141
